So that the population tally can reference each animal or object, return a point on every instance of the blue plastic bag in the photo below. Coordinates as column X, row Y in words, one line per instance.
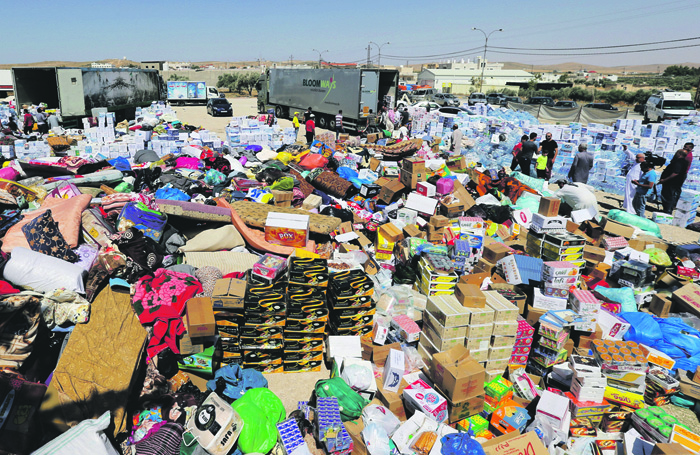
column 623, row 296
column 172, row 194
column 644, row 328
column 681, row 335
column 460, row 444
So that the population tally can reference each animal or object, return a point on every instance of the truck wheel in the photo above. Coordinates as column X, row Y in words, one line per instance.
column 323, row 122
column 332, row 124
column 279, row 112
column 261, row 108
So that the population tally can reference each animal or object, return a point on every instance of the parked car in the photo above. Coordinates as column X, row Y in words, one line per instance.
column 603, row 106
column 566, row 104
column 427, row 104
column 476, row 98
column 451, row 111
column 445, row 99
column 495, row 98
column 422, row 94
column 543, row 100
column 219, row 106
column 510, row 99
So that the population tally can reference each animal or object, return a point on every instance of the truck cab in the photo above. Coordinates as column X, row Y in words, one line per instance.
column 668, row 105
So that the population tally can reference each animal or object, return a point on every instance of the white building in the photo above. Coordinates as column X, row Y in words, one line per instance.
column 469, row 65
column 464, row 78
column 101, row 65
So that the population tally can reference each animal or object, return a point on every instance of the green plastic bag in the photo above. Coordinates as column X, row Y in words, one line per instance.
column 657, row 256
column 350, row 402
column 636, row 221
column 259, row 434
column 268, row 402
column 124, row 187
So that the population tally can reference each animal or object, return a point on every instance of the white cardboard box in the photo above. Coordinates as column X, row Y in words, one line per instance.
column 393, row 371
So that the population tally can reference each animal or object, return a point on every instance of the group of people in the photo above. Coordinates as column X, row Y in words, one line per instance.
column 544, row 155
column 44, row 122
column 641, row 180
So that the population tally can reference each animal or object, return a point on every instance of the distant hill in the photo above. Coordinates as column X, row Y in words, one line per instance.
column 114, row 61
column 573, row 66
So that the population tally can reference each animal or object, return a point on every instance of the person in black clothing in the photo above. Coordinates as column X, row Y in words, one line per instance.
column 672, row 179
column 525, row 155
column 549, row 148
column 517, row 149
column 406, row 119
column 307, row 114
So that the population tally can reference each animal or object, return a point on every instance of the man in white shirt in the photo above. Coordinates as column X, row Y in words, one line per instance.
column 456, row 141
column 339, row 124
column 630, row 189
column 578, row 196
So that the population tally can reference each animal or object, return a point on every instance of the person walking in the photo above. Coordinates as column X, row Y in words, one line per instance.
column 456, row 140
column 549, row 149
column 644, row 185
column 516, row 149
column 526, row 154
column 581, row 167
column 41, row 121
column 630, row 190
column 339, row 125
column 28, row 122
column 295, row 124
column 688, row 147
column 310, row 129
column 672, row 179
column 52, row 120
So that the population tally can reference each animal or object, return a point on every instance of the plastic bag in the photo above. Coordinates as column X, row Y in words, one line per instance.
column 657, row 256
column 86, row 437
column 414, row 361
column 382, row 416
column 424, row 442
column 376, row 440
column 268, row 402
column 635, row 220
column 313, row 161
column 351, row 403
column 624, row 296
column 681, row 335
column 396, row 300
column 357, row 377
column 259, row 434
column 644, row 329
column 460, row 444
column 233, row 381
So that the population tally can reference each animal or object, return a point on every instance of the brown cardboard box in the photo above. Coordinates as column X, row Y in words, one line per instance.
column 380, row 353
column 495, row 251
column 660, row 306
column 354, row 429
column 485, row 266
column 439, row 221
column 696, row 376
column 392, row 400
column 200, row 317
column 457, row 163
column 463, row 195
column 515, row 444
column 362, row 240
column 617, row 229
column 347, row 247
column 228, row 294
column 474, row 278
column 372, row 137
column 283, row 198
column 470, row 296
column 453, row 209
column 663, row 448
column 410, row 180
column 533, row 315
column 435, row 237
column 391, row 191
column 414, row 165
column 549, row 206
column 464, row 409
column 411, row 230
column 601, row 271
column 390, row 232
column 688, row 297
column 458, row 374
column 374, row 165
column 343, row 137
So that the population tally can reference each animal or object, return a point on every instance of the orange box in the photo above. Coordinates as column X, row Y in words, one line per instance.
column 287, row 229
column 657, row 357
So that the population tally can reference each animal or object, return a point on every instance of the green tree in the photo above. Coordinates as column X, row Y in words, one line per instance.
column 247, row 82
column 175, row 77
column 195, row 67
column 564, row 78
column 227, row 80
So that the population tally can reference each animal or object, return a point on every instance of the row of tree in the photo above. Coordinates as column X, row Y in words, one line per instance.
column 582, row 94
column 238, row 82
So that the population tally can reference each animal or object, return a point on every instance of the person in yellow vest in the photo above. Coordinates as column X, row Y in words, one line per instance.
column 295, row 123
column 541, row 166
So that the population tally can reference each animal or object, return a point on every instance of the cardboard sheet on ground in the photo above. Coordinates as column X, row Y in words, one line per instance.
column 99, row 367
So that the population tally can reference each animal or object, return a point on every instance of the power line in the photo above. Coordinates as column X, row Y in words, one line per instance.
column 596, row 47
column 599, row 53
column 444, row 55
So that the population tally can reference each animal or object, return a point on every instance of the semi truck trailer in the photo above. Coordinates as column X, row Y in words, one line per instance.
column 328, row 90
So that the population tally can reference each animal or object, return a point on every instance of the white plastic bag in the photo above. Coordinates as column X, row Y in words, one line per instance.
column 376, row 440
column 357, row 377
column 382, row 416
column 42, row 273
column 86, row 437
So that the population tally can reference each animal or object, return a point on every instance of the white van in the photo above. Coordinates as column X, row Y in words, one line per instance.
column 668, row 105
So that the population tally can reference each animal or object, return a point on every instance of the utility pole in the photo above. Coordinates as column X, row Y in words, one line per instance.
column 290, row 60
column 368, row 49
column 320, row 53
column 483, row 61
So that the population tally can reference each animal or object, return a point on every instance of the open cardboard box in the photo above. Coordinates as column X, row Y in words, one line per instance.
column 458, row 374
column 515, row 444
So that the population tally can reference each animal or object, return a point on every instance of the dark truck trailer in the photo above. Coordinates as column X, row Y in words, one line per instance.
column 327, row 91
column 76, row 91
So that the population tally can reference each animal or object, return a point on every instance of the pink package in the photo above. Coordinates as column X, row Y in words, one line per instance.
column 269, row 266
column 407, row 328
column 8, row 173
column 188, row 162
column 421, row 397
column 445, row 185
column 524, row 329
column 521, row 350
column 527, row 341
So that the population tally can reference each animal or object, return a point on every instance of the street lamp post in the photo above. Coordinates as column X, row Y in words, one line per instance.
column 319, row 56
column 379, row 55
column 483, row 60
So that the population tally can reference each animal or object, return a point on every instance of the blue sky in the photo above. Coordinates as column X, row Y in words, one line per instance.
column 238, row 30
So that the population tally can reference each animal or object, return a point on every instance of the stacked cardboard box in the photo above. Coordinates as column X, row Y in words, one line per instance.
column 437, row 275
column 460, row 379
column 505, row 330
column 445, row 324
